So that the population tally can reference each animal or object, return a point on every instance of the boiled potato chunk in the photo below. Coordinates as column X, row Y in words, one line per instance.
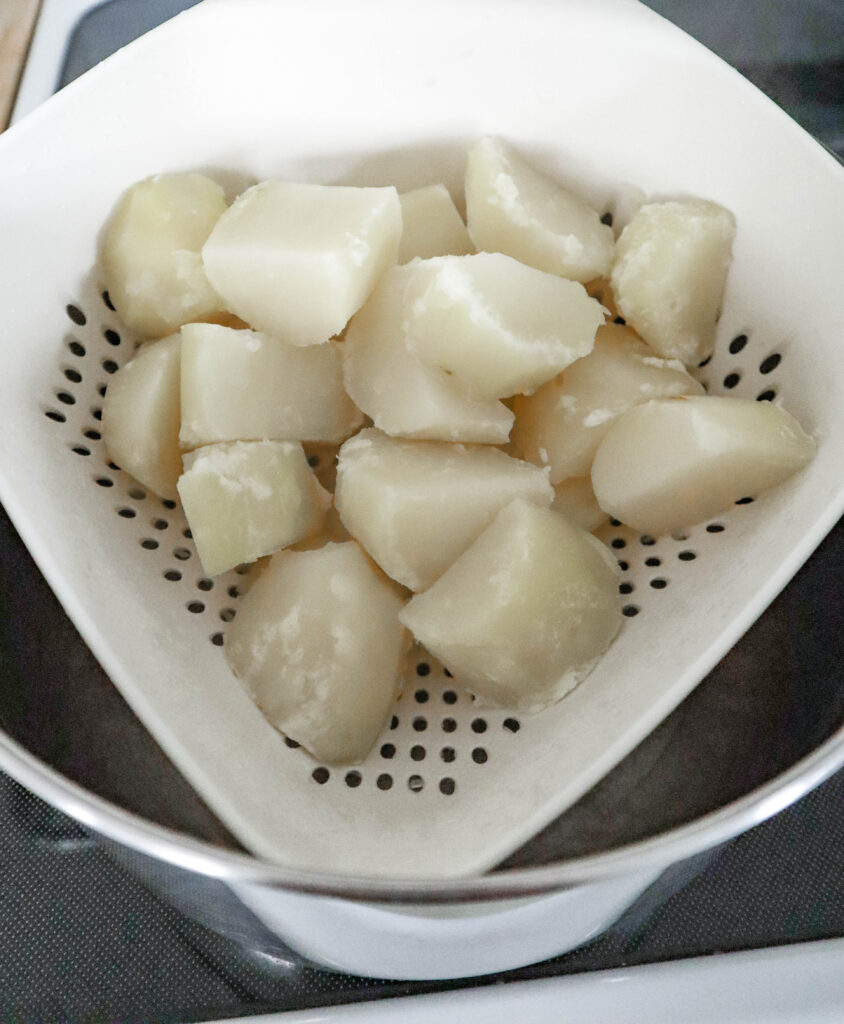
column 576, row 499
column 141, row 416
column 151, row 259
column 431, row 225
column 521, row 617
column 317, row 643
column 671, row 263
column 296, row 261
column 499, row 327
column 562, row 425
column 415, row 506
column 675, row 462
column 248, row 499
column 243, row 386
column 403, row 395
column 512, row 208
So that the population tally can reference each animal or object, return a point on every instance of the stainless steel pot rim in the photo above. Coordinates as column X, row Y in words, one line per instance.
column 656, row 852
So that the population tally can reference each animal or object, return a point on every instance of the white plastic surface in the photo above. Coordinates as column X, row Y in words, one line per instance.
column 801, row 984
column 600, row 93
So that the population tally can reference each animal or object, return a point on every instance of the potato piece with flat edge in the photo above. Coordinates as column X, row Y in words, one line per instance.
column 151, row 260
column 676, row 462
column 499, row 327
column 403, row 396
column 562, row 424
column 141, row 416
column 525, row 612
column 415, row 506
column 318, row 644
column 671, row 264
column 245, row 386
column 247, row 499
column 431, row 225
column 514, row 209
column 297, row 261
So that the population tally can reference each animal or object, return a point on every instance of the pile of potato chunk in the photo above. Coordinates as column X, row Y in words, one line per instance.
column 483, row 412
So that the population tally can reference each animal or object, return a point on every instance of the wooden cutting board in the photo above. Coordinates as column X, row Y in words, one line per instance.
column 17, row 20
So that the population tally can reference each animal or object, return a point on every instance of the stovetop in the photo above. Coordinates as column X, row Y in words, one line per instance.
column 81, row 940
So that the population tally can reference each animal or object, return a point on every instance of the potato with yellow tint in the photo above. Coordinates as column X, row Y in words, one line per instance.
column 562, row 425
column 318, row 645
column 247, row 499
column 141, row 416
column 151, row 260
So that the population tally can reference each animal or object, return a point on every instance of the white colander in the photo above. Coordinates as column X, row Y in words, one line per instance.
column 601, row 94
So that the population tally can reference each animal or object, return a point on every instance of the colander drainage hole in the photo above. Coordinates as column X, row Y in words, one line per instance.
column 607, row 219
column 388, row 751
column 107, row 301
column 624, row 566
column 416, row 783
column 715, row 528
column 450, row 697
column 112, row 337
column 731, row 380
column 173, row 575
column 321, row 775
column 97, row 413
column 291, row 743
column 168, row 503
column 511, row 724
column 81, row 450
column 626, row 588
column 76, row 348
column 620, row 321
column 630, row 610
column 56, row 417
column 420, row 724
column 227, row 614
column 149, row 544
column 745, row 501
column 766, row 396
column 704, row 362
column 421, row 696
column 394, row 722
column 217, row 639
column 74, row 376
column 653, row 561
column 76, row 315
column 417, row 753
column 687, row 556
column 313, row 461
column 479, row 755
column 113, row 465
column 447, row 674
column 160, row 524
column 619, row 542
column 65, row 398
column 449, row 725
column 101, row 390
column 659, row 583
column 126, row 513
column 110, row 366
column 447, row 786
column 737, row 344
column 353, row 779
column 204, row 584
column 105, row 481
column 771, row 363
column 478, row 725
column 233, row 592
column 423, row 668
column 647, row 540
column 448, row 754
column 181, row 553
column 196, row 607
column 137, row 493
column 384, row 781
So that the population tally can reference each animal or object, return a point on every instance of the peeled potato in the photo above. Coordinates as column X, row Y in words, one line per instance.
column 242, row 386
column 562, row 425
column 141, row 416
column 499, row 327
column 523, row 614
column 296, row 261
column 403, row 395
column 576, row 500
column 151, row 259
column 248, row 499
column 431, row 225
column 512, row 208
column 671, row 263
column 317, row 643
column 415, row 506
column 675, row 462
